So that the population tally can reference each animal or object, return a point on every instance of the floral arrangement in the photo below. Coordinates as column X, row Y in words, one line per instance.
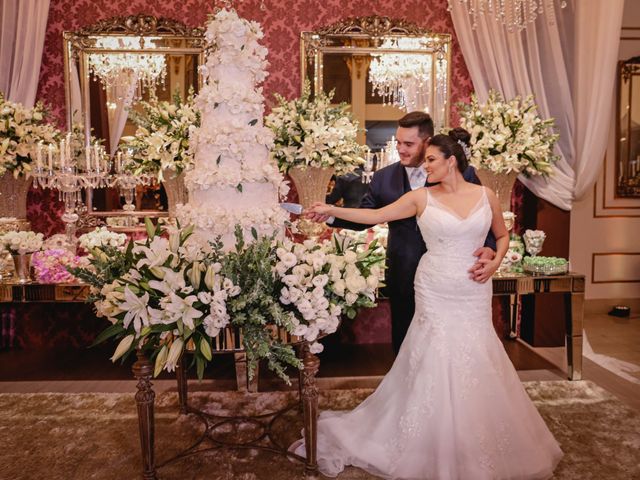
column 512, row 261
column 101, row 237
column 21, row 242
column 164, row 294
column 509, row 136
column 51, row 266
column 161, row 141
column 322, row 281
column 314, row 133
column 21, row 129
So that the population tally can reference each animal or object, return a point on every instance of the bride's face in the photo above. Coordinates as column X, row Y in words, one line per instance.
column 436, row 165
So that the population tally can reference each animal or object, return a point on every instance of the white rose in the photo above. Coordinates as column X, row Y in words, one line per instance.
column 356, row 283
column 339, row 287
column 351, row 298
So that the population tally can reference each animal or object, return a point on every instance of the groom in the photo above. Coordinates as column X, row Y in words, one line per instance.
column 405, row 244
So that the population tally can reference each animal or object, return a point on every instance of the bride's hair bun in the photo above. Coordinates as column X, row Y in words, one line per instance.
column 459, row 134
column 455, row 143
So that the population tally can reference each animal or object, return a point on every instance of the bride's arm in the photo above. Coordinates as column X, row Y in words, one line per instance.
column 502, row 239
column 405, row 207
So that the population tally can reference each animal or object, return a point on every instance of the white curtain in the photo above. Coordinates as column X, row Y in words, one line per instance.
column 23, row 25
column 544, row 60
column 75, row 100
column 597, row 38
column 119, row 100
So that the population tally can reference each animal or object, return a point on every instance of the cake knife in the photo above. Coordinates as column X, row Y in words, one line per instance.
column 294, row 208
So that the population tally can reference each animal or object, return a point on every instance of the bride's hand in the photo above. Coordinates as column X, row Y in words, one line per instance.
column 486, row 271
column 318, row 211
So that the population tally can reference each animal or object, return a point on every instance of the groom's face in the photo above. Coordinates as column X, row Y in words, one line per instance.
column 411, row 146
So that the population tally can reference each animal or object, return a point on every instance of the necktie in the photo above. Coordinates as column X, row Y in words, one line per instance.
column 417, row 178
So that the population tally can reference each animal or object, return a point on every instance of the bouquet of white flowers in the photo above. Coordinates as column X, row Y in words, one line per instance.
column 162, row 138
column 22, row 242
column 21, row 129
column 166, row 293
column 101, row 237
column 314, row 133
column 509, row 136
column 321, row 281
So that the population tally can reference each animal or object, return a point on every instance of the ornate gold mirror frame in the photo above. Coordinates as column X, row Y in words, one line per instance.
column 359, row 41
column 181, row 48
column 628, row 129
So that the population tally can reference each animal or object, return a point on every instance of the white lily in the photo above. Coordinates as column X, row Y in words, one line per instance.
column 136, row 308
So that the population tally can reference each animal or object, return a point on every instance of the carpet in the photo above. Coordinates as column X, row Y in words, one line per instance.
column 95, row 436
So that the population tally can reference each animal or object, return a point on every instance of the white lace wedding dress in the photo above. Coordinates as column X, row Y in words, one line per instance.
column 452, row 406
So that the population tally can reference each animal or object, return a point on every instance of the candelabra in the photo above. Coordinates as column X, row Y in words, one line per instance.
column 126, row 182
column 367, row 173
column 69, row 170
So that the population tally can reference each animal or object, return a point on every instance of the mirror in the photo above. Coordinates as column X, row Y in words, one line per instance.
column 383, row 68
column 114, row 64
column 628, row 129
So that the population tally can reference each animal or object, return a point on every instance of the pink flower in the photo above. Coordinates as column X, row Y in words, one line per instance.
column 50, row 265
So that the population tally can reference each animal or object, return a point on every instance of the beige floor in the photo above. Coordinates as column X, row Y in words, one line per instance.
column 615, row 337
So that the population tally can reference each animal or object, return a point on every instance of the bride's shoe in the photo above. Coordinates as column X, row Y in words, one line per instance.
column 292, row 450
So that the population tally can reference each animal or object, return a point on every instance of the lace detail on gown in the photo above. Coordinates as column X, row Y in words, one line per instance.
column 452, row 406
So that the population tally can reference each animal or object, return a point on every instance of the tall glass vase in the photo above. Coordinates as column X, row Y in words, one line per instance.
column 311, row 184
column 502, row 185
column 13, row 202
column 175, row 189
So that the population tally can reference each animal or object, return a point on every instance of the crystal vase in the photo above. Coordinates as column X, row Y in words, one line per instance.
column 22, row 265
column 311, row 184
column 175, row 189
column 13, row 201
column 502, row 185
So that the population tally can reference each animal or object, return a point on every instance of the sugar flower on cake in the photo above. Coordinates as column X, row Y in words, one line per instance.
column 314, row 133
column 509, row 136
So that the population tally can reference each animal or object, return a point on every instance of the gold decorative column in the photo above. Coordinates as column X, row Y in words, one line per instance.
column 13, row 202
column 175, row 189
column 502, row 185
column 311, row 184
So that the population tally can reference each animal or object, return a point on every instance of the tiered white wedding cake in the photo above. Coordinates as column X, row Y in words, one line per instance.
column 233, row 181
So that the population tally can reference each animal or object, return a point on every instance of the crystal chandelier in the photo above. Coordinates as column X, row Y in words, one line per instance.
column 119, row 71
column 513, row 14
column 402, row 79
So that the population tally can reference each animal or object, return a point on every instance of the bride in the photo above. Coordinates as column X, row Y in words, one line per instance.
column 452, row 405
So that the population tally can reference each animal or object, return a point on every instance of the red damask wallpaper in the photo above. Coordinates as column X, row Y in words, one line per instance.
column 282, row 23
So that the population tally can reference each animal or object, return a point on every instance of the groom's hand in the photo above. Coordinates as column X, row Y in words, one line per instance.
column 481, row 270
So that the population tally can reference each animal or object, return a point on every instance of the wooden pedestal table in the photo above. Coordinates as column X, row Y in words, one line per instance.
column 229, row 341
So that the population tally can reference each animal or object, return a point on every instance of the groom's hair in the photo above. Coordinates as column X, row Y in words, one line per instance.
column 422, row 120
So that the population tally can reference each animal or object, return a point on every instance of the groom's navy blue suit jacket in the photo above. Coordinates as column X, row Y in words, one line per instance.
column 405, row 244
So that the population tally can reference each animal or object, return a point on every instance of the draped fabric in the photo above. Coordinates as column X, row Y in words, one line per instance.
column 119, row 100
column 22, row 30
column 568, row 64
